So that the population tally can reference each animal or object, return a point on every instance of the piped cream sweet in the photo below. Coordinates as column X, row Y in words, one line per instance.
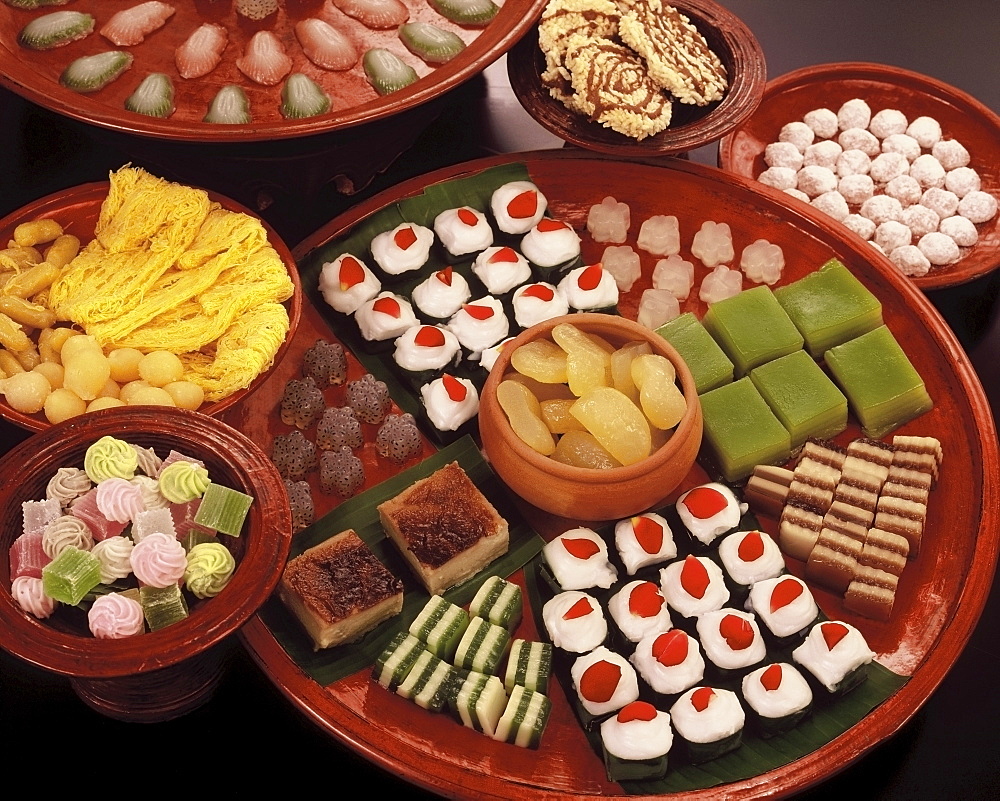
column 639, row 609
column 578, row 559
column 463, row 230
column 574, row 621
column 538, row 302
column 115, row 616
column 402, row 249
column 479, row 324
column 669, row 661
column 501, row 268
column 709, row 510
column 589, row 288
column 384, row 317
column 517, row 206
column 644, row 540
column 450, row 401
column 426, row 347
column 347, row 282
column 441, row 294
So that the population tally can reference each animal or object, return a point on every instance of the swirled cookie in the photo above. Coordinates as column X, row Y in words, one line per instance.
column 677, row 55
column 611, row 85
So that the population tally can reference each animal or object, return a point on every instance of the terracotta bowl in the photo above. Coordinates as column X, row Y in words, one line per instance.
column 162, row 674
column 580, row 492
column 34, row 74
column 691, row 127
column 788, row 97
column 77, row 210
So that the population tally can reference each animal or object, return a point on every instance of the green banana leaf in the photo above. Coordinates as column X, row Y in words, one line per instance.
column 360, row 513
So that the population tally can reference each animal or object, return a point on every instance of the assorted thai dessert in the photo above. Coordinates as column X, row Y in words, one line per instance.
column 575, row 621
column 129, row 536
column 578, row 559
column 501, row 269
column 347, row 282
column 339, row 590
column 644, row 540
column 636, row 742
column 445, row 528
column 441, row 294
column 463, row 230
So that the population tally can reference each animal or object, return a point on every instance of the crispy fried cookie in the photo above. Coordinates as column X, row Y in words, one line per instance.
column 564, row 19
column 677, row 55
column 611, row 85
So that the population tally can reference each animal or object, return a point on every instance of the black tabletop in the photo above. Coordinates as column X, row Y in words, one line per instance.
column 249, row 733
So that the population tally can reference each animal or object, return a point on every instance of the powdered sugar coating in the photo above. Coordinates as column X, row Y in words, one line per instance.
column 886, row 122
column 920, row 219
column 824, row 153
column 833, row 203
column 891, row 235
column 783, row 154
column 978, row 206
column 905, row 189
column 961, row 229
column 928, row 171
column 814, row 180
column 941, row 201
column 862, row 226
column 798, row 133
column 962, row 180
column 880, row 208
column 926, row 130
column 910, row 261
column 886, row 166
column 856, row 189
column 855, row 113
column 901, row 143
column 951, row 153
column 859, row 139
column 823, row 122
column 853, row 162
column 779, row 177
column 938, row 248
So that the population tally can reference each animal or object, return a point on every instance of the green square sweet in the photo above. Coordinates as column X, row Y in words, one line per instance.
column 752, row 328
column 829, row 306
column 741, row 431
column 223, row 509
column 802, row 397
column 71, row 575
column 708, row 364
column 883, row 388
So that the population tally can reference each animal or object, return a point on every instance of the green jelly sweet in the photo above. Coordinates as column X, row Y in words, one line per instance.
column 162, row 606
column 883, row 388
column 829, row 306
column 708, row 364
column 71, row 575
column 223, row 509
column 741, row 431
column 802, row 397
column 752, row 328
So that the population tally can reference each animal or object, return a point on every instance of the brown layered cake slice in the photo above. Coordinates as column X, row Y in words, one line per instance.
column 445, row 528
column 923, row 454
column 798, row 530
column 816, row 475
column 902, row 517
column 833, row 560
column 767, row 489
column 339, row 590
column 885, row 551
column 871, row 593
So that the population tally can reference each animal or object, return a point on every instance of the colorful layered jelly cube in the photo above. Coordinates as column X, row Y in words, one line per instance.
column 223, row 509
column 708, row 364
column 752, row 328
column 802, row 397
column 829, row 306
column 882, row 386
column 741, row 431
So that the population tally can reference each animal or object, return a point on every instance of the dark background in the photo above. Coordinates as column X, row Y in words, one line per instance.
column 249, row 733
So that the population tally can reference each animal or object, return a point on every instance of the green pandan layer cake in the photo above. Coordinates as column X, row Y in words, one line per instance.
column 741, row 430
column 752, row 328
column 709, row 365
column 882, row 386
column 829, row 307
column 802, row 397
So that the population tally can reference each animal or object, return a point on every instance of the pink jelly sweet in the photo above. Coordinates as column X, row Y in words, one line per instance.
column 87, row 510
column 27, row 558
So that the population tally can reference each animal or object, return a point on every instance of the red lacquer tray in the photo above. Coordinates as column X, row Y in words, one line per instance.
column 35, row 74
column 962, row 117
column 77, row 209
column 941, row 593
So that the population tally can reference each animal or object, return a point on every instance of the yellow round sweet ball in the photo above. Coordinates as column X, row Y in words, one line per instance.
column 125, row 364
column 52, row 371
column 104, row 402
column 62, row 404
column 78, row 344
column 150, row 396
column 160, row 368
column 26, row 392
column 110, row 389
column 186, row 394
column 125, row 392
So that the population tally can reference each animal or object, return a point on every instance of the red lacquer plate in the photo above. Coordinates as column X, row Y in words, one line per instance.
column 35, row 74
column 690, row 126
column 941, row 593
column 962, row 117
column 77, row 210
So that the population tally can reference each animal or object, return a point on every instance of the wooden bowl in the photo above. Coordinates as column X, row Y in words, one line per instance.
column 77, row 209
column 962, row 117
column 581, row 492
column 690, row 127
column 35, row 74
column 161, row 674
